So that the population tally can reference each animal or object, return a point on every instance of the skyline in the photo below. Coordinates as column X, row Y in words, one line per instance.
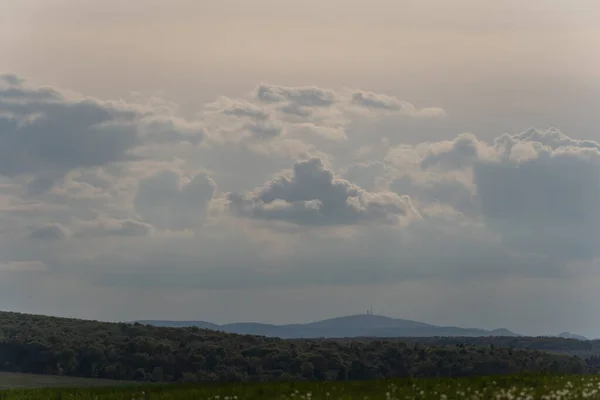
column 254, row 161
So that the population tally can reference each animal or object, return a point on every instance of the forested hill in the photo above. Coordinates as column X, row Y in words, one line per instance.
column 39, row 344
column 361, row 325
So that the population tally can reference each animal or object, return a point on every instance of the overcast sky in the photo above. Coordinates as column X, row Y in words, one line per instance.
column 288, row 161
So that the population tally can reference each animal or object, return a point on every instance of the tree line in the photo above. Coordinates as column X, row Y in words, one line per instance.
column 61, row 346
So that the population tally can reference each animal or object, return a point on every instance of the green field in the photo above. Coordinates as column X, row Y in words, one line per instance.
column 499, row 387
column 10, row 380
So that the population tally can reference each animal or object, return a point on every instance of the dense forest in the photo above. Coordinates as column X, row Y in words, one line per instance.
column 543, row 343
column 60, row 346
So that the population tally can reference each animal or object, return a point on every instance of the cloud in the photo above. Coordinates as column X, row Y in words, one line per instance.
column 538, row 189
column 551, row 137
column 22, row 266
column 168, row 203
column 314, row 115
column 307, row 96
column 40, row 184
column 41, row 130
column 439, row 191
column 377, row 101
column 161, row 129
column 458, row 153
column 118, row 228
column 366, row 174
column 264, row 130
column 246, row 110
column 12, row 79
column 548, row 204
column 45, row 133
column 312, row 195
column 52, row 233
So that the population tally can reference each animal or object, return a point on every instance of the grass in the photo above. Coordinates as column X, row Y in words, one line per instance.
column 498, row 388
column 10, row 380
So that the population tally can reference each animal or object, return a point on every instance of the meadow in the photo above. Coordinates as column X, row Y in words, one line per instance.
column 516, row 387
column 11, row 380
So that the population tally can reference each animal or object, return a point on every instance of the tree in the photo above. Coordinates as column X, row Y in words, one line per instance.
column 157, row 374
column 307, row 370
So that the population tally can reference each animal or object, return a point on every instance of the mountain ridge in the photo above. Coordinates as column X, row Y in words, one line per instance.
column 358, row 325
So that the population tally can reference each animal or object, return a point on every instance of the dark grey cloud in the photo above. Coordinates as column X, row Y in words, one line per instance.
column 52, row 232
column 312, row 195
column 308, row 96
column 548, row 204
column 538, row 189
column 163, row 202
column 39, row 185
column 42, row 131
column 11, row 79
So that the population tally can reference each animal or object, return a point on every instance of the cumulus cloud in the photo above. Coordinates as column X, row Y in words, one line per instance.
column 45, row 133
column 538, row 189
column 168, row 203
column 312, row 195
column 311, row 114
column 458, row 153
column 378, row 101
column 42, row 130
column 547, row 204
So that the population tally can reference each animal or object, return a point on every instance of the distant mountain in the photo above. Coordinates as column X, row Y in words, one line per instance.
column 569, row 335
column 362, row 325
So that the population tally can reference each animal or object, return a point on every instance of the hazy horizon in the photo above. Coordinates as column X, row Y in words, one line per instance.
column 279, row 162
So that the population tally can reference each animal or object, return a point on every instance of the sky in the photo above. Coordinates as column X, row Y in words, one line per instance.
column 285, row 161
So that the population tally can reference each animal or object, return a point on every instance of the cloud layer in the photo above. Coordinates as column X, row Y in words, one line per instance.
column 282, row 187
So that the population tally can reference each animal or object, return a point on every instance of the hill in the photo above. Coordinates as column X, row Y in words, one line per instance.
column 124, row 351
column 569, row 335
column 361, row 325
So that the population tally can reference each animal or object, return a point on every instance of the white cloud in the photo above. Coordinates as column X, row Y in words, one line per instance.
column 381, row 102
column 312, row 195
